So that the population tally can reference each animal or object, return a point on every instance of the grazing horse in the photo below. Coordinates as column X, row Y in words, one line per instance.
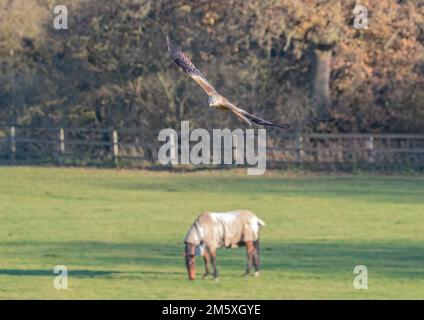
column 212, row 230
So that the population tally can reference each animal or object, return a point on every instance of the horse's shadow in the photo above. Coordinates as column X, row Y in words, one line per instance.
column 76, row 273
column 399, row 259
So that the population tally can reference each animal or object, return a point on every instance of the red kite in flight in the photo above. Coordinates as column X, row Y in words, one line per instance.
column 215, row 99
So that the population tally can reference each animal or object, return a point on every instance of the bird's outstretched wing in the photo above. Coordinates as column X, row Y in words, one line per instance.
column 263, row 122
column 248, row 118
column 184, row 63
column 241, row 117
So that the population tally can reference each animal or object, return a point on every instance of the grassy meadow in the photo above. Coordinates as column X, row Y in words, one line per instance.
column 120, row 232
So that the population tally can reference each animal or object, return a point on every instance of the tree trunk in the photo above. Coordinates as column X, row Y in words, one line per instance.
column 321, row 69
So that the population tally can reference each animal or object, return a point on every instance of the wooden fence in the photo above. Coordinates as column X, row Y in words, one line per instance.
column 85, row 146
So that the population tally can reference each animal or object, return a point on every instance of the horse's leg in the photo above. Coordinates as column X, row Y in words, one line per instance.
column 250, row 250
column 213, row 260
column 206, row 258
column 256, row 260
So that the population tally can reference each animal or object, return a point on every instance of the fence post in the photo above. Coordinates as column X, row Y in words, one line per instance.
column 299, row 148
column 370, row 147
column 234, row 146
column 13, row 143
column 115, row 146
column 62, row 141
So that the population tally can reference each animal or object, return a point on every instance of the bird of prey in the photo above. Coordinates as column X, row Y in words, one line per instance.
column 215, row 99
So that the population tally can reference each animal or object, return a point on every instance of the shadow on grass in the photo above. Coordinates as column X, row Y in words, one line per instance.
column 394, row 259
column 49, row 273
column 373, row 189
column 77, row 273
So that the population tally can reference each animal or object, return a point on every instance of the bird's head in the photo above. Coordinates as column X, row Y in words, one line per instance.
column 212, row 100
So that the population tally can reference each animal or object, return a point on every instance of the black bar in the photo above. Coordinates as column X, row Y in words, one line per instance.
column 214, row 309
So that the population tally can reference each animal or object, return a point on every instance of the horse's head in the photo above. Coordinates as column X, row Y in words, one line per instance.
column 190, row 254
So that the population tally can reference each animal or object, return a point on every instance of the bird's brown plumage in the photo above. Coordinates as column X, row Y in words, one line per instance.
column 218, row 101
column 184, row 63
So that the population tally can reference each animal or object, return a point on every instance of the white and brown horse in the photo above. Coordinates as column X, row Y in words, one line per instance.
column 212, row 230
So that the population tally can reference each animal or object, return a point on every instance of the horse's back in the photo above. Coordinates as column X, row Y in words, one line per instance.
column 239, row 226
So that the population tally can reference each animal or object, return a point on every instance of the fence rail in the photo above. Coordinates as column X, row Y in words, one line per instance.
column 83, row 146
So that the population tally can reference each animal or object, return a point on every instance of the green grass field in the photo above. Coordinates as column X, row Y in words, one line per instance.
column 120, row 234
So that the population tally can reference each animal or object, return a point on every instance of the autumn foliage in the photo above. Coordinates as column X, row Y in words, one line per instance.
column 300, row 61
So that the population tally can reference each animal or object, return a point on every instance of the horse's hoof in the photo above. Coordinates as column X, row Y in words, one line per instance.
column 216, row 279
column 257, row 274
column 205, row 276
column 246, row 274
